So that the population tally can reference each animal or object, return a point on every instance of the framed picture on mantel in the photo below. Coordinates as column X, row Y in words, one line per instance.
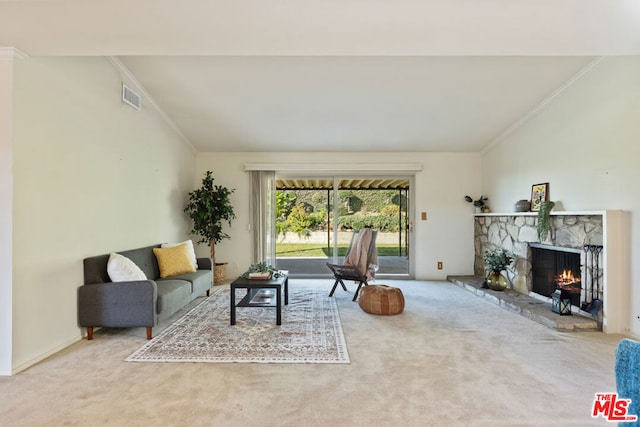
column 539, row 194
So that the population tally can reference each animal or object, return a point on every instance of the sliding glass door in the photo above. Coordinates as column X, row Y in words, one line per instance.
column 316, row 218
column 380, row 204
column 304, row 225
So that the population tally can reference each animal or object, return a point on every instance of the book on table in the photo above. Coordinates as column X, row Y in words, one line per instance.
column 260, row 276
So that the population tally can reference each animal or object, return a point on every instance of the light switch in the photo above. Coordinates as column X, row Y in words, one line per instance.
column 424, row 216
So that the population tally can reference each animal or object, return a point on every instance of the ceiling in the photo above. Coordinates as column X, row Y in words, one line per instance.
column 349, row 75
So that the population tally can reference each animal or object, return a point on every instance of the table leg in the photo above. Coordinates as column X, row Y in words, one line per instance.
column 286, row 291
column 278, row 307
column 233, row 305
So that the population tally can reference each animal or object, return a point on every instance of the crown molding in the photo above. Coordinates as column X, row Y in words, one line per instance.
column 11, row 53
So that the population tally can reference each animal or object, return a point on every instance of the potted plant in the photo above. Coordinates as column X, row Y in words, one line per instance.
column 544, row 219
column 262, row 268
column 209, row 208
column 496, row 262
column 479, row 204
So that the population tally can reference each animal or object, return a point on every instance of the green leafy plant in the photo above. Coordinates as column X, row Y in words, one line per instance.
column 209, row 208
column 285, row 201
column 544, row 219
column 498, row 260
column 477, row 203
column 299, row 221
column 262, row 267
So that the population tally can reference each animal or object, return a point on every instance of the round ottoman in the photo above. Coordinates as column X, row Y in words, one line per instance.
column 381, row 299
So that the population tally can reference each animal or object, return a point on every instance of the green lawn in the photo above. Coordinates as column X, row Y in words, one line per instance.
column 317, row 250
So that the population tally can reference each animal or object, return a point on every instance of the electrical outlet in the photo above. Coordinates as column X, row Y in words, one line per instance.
column 439, row 265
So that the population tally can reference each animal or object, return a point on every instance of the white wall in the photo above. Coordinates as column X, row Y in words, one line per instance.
column 91, row 175
column 585, row 143
column 440, row 188
column 6, row 211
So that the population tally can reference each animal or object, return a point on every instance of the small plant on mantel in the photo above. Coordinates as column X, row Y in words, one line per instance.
column 544, row 219
column 479, row 203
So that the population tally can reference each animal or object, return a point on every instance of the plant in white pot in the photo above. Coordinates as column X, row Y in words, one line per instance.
column 479, row 204
column 496, row 262
column 209, row 207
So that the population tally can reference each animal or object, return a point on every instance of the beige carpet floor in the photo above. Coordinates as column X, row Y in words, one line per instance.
column 451, row 359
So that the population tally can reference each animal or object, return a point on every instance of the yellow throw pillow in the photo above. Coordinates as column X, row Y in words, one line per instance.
column 173, row 261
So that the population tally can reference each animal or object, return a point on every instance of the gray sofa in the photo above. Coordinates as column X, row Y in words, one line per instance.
column 102, row 303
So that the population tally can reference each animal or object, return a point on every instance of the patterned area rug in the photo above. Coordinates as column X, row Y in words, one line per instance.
column 311, row 332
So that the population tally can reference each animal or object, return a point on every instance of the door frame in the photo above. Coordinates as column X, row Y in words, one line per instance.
column 337, row 176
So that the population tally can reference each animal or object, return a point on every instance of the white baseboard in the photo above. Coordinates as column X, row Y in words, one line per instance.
column 43, row 356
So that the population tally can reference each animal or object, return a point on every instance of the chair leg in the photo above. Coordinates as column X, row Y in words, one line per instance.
column 335, row 285
column 355, row 296
column 89, row 333
column 149, row 334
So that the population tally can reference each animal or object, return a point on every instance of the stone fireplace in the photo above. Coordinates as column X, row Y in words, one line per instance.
column 562, row 260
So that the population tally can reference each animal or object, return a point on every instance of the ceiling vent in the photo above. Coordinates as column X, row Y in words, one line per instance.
column 130, row 97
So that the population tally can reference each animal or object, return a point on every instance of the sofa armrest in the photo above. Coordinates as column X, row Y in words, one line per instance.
column 118, row 305
column 205, row 264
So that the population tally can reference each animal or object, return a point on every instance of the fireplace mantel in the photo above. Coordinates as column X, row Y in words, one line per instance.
column 553, row 213
column 514, row 231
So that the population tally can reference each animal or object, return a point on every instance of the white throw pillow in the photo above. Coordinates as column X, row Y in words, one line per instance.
column 122, row 269
column 190, row 250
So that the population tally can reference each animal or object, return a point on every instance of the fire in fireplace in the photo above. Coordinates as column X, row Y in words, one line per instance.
column 554, row 268
column 570, row 283
column 566, row 278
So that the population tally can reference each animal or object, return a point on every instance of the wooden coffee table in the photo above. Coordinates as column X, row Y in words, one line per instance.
column 261, row 293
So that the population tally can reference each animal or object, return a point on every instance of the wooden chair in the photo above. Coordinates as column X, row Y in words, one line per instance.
column 359, row 263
